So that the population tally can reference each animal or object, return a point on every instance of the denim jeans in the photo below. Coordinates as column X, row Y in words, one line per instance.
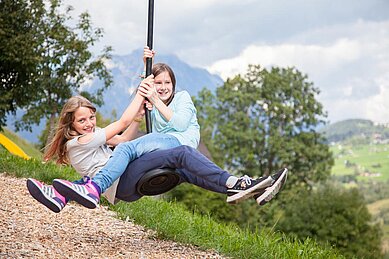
column 126, row 152
column 193, row 167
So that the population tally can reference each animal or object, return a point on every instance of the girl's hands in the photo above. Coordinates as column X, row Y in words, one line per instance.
column 149, row 106
column 147, row 53
column 147, row 90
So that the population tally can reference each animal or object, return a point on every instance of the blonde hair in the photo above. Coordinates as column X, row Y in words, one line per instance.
column 64, row 130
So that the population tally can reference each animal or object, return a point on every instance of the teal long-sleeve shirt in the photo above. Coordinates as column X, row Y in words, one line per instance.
column 183, row 125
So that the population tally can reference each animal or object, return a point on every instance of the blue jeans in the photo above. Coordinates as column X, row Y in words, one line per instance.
column 126, row 152
column 194, row 168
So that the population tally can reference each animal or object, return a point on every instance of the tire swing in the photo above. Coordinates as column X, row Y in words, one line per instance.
column 159, row 180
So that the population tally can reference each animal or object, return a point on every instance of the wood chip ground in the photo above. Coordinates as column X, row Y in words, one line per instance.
column 30, row 230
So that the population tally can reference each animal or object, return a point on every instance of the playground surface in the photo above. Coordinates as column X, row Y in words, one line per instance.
column 30, row 230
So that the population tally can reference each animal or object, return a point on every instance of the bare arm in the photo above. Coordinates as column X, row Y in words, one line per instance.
column 132, row 131
column 129, row 134
column 126, row 119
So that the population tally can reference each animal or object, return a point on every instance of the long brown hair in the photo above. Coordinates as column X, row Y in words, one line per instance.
column 159, row 68
column 64, row 130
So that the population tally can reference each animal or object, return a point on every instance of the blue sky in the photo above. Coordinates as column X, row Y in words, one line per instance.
column 343, row 46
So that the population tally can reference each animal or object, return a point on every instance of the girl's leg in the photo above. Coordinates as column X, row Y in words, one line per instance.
column 194, row 168
column 126, row 152
column 189, row 177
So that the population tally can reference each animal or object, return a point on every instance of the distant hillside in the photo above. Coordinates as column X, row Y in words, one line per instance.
column 356, row 131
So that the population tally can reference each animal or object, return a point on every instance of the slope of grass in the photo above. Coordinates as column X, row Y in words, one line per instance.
column 174, row 222
column 366, row 158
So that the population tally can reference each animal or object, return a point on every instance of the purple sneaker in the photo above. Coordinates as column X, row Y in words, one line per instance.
column 269, row 193
column 46, row 195
column 87, row 194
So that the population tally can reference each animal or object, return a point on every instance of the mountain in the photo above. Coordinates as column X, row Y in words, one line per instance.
column 356, row 131
column 126, row 70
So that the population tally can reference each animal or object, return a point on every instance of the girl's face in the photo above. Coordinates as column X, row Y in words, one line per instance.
column 164, row 86
column 84, row 120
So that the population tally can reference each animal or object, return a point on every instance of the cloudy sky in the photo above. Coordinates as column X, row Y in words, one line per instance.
column 343, row 46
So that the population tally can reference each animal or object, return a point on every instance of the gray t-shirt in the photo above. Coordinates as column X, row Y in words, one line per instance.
column 89, row 158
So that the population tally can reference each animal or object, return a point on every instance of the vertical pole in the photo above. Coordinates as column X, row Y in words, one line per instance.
column 149, row 63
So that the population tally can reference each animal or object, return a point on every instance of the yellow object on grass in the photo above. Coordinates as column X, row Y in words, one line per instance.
column 12, row 147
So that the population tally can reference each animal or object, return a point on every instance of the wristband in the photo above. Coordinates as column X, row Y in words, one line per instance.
column 138, row 120
column 143, row 75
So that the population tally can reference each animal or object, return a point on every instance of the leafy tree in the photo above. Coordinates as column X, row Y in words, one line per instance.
column 59, row 65
column 19, row 53
column 264, row 120
column 206, row 112
column 255, row 124
column 67, row 64
column 335, row 215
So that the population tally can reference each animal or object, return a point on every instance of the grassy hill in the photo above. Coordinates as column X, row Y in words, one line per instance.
column 360, row 148
column 356, row 131
column 361, row 153
column 364, row 162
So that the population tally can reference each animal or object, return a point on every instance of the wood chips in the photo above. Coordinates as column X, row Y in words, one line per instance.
column 30, row 230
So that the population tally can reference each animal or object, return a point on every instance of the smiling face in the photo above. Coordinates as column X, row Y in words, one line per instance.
column 164, row 86
column 164, row 82
column 84, row 120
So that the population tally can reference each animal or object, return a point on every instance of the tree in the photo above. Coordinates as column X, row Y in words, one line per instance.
column 19, row 53
column 255, row 124
column 265, row 120
column 67, row 64
column 335, row 215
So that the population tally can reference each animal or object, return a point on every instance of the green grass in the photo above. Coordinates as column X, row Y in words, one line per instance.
column 372, row 158
column 172, row 221
column 34, row 168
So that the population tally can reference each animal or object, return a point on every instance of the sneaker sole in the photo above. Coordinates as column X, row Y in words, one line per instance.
column 35, row 192
column 74, row 195
column 233, row 199
column 272, row 191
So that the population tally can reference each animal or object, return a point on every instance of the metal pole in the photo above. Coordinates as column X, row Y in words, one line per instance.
column 149, row 63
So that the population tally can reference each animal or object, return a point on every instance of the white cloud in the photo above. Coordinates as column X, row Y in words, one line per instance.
column 377, row 107
column 351, row 69
column 312, row 58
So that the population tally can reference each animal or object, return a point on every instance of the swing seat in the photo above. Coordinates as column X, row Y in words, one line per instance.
column 158, row 181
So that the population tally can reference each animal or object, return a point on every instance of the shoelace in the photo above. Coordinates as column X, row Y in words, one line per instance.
column 247, row 179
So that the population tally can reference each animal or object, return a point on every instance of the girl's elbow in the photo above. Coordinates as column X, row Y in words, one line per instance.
column 180, row 128
column 124, row 122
